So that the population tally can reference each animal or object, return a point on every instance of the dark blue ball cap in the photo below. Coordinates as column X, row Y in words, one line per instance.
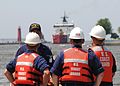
column 34, row 26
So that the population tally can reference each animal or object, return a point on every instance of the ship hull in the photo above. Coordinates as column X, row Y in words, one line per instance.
column 60, row 39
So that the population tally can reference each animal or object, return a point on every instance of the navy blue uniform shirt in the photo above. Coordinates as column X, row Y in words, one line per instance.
column 93, row 63
column 40, row 63
column 43, row 51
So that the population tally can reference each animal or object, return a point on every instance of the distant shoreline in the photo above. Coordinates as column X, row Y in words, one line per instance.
column 112, row 43
column 10, row 43
column 15, row 43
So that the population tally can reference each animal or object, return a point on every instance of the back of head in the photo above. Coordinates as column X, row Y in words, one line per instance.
column 34, row 26
column 32, row 39
column 76, row 33
column 98, row 32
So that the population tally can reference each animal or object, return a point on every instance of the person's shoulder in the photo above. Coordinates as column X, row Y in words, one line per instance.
column 84, row 50
column 44, row 46
column 21, row 49
column 106, row 49
column 65, row 50
column 23, row 46
column 91, row 53
column 39, row 58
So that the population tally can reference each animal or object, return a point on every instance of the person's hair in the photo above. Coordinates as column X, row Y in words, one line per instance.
column 78, row 40
column 100, row 40
column 32, row 47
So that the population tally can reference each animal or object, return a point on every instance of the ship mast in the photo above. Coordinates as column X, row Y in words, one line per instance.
column 64, row 18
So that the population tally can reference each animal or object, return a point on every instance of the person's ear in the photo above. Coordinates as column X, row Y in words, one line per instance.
column 82, row 41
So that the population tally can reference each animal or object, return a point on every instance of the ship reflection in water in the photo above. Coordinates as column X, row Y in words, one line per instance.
column 62, row 31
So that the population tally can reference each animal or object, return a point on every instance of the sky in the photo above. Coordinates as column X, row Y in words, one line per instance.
column 83, row 13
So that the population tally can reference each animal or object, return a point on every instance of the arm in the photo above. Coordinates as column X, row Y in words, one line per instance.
column 10, row 68
column 40, row 64
column 55, row 80
column 98, row 72
column 46, row 77
column 98, row 79
column 114, row 67
column 9, row 76
column 96, row 67
column 46, row 53
column 56, row 70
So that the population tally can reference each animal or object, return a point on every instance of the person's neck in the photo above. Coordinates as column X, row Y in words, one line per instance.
column 78, row 46
column 97, row 44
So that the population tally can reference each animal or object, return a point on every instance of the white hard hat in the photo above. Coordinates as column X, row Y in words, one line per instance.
column 76, row 33
column 98, row 32
column 32, row 38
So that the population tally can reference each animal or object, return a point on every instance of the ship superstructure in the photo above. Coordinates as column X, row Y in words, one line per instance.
column 62, row 31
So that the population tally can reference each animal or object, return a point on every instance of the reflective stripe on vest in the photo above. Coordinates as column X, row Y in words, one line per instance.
column 75, row 66
column 105, row 56
column 25, row 73
column 76, row 60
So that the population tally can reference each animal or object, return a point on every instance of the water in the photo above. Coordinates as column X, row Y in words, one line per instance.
column 7, row 53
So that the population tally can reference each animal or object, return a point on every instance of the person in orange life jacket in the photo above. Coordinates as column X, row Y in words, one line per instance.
column 29, row 66
column 106, row 57
column 74, row 66
column 42, row 50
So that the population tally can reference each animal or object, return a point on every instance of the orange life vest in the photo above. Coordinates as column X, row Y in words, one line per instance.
column 25, row 72
column 75, row 66
column 105, row 56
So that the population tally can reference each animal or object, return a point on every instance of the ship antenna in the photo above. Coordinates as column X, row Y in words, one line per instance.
column 64, row 18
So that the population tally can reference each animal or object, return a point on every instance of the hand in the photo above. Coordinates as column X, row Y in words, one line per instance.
column 50, row 84
column 13, row 84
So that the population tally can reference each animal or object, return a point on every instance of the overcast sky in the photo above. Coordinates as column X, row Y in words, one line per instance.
column 84, row 13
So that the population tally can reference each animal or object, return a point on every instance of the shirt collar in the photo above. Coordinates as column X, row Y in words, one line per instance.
column 77, row 46
column 30, row 51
